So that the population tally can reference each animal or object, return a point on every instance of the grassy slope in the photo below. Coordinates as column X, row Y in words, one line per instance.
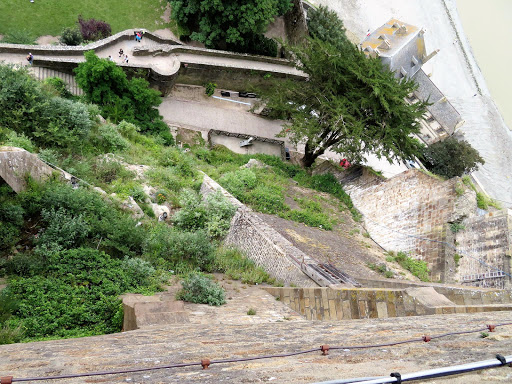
column 49, row 17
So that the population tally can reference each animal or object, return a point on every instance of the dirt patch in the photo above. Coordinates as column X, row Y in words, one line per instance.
column 166, row 17
column 47, row 40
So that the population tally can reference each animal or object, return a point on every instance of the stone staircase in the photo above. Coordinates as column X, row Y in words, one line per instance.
column 42, row 73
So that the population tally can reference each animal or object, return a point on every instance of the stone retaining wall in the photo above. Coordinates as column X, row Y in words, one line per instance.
column 345, row 304
column 359, row 303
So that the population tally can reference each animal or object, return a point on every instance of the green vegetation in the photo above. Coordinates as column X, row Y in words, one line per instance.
column 198, row 288
column 210, row 89
column 456, row 227
column 361, row 111
column 451, row 157
column 106, row 84
column 236, row 25
column 21, row 36
column 71, row 36
column 251, row 312
column 381, row 268
column 265, row 189
column 482, row 200
column 325, row 25
column 417, row 267
column 456, row 259
column 238, row 267
column 50, row 17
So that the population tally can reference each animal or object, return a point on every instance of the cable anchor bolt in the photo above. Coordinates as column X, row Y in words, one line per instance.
column 205, row 363
column 324, row 349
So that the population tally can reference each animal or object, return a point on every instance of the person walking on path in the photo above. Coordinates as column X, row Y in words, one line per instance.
column 121, row 52
column 126, row 59
column 30, row 58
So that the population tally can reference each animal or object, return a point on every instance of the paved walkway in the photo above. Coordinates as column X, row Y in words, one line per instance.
column 167, row 63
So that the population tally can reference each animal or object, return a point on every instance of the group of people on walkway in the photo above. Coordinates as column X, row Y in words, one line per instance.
column 138, row 36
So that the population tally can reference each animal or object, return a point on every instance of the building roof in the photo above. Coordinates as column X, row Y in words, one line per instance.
column 442, row 110
column 400, row 46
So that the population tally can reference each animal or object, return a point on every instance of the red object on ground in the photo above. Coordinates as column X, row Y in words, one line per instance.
column 345, row 163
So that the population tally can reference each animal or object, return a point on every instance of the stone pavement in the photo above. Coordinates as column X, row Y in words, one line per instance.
column 192, row 342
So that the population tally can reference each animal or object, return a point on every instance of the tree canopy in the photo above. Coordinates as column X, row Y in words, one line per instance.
column 451, row 158
column 325, row 25
column 215, row 22
column 350, row 104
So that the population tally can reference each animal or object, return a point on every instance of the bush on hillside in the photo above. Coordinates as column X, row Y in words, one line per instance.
column 77, row 295
column 93, row 29
column 255, row 44
column 199, row 289
column 181, row 251
column 451, row 157
column 71, row 36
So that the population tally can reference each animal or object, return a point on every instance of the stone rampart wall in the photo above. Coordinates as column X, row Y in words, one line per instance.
column 409, row 212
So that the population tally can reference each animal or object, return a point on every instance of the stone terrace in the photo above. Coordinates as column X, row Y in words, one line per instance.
column 191, row 343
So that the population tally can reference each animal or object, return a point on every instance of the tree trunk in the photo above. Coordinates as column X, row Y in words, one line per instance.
column 310, row 155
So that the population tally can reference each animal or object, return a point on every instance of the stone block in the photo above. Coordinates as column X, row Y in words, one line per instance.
column 347, row 310
column 363, row 309
column 339, row 309
column 332, row 310
column 382, row 309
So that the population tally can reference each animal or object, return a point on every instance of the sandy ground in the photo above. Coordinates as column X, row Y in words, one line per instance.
column 454, row 70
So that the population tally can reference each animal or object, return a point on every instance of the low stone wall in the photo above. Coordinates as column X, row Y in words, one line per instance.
column 360, row 303
column 259, row 144
column 345, row 304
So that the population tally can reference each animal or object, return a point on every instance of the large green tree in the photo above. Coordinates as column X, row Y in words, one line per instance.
column 325, row 25
column 350, row 104
column 106, row 84
column 215, row 22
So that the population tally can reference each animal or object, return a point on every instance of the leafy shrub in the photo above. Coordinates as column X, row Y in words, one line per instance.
column 219, row 212
column 21, row 36
column 456, row 227
column 238, row 267
column 49, row 155
column 112, row 139
column 310, row 218
column 267, row 199
column 20, row 141
column 10, row 334
column 93, row 29
column 199, row 289
column 59, row 86
column 174, row 157
column 11, row 221
column 251, row 312
column 451, row 157
column 418, row 268
column 173, row 247
column 238, row 182
column 63, row 231
column 192, row 215
column 109, row 229
column 456, row 259
column 214, row 214
column 25, row 264
column 78, row 295
column 71, row 36
column 139, row 271
column 107, row 170
column 210, row 88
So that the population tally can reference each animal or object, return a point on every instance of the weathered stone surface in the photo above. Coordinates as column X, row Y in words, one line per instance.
column 190, row 343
